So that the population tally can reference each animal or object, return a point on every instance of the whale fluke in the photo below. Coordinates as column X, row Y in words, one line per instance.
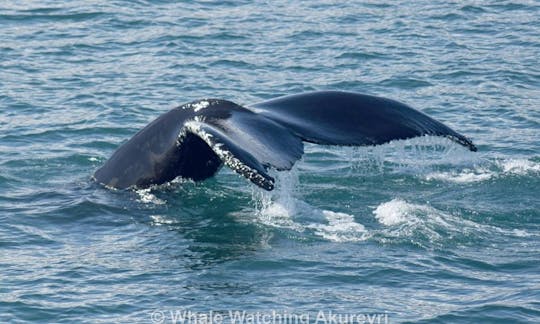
column 194, row 140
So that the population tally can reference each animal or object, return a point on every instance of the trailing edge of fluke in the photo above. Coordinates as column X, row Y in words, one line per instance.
column 194, row 140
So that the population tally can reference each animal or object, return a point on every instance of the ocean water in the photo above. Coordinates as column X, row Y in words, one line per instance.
column 414, row 231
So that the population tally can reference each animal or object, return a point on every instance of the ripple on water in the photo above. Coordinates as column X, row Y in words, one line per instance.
column 419, row 229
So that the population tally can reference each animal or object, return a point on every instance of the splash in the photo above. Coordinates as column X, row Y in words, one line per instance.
column 419, row 224
column 428, row 226
column 159, row 220
column 465, row 176
column 519, row 166
column 278, row 208
column 147, row 197
column 341, row 227
column 282, row 209
column 418, row 156
column 395, row 212
column 398, row 212
column 487, row 171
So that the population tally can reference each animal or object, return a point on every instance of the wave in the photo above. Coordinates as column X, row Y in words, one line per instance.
column 147, row 197
column 281, row 209
column 492, row 170
column 393, row 219
column 427, row 226
column 396, row 220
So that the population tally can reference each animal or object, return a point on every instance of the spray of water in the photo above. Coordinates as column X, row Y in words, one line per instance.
column 282, row 208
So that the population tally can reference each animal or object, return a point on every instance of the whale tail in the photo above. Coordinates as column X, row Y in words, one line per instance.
column 194, row 140
column 345, row 118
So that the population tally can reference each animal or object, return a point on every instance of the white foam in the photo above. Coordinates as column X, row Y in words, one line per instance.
column 159, row 220
column 485, row 172
column 395, row 212
column 281, row 209
column 277, row 214
column 520, row 233
column 277, row 208
column 415, row 221
column 299, row 216
column 519, row 166
column 341, row 227
column 146, row 197
column 465, row 176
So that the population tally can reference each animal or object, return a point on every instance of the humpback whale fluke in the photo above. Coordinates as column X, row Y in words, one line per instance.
column 194, row 140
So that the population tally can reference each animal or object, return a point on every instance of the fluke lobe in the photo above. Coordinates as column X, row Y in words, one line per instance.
column 194, row 140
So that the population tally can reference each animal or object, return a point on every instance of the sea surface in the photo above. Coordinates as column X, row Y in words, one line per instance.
column 419, row 231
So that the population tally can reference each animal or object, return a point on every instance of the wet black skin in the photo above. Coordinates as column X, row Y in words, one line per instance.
column 261, row 136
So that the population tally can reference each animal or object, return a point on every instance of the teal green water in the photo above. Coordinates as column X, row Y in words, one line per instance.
column 419, row 231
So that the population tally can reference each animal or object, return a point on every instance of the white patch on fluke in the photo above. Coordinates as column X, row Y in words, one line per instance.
column 222, row 152
column 200, row 105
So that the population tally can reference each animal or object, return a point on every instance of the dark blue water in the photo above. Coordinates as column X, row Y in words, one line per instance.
column 420, row 230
